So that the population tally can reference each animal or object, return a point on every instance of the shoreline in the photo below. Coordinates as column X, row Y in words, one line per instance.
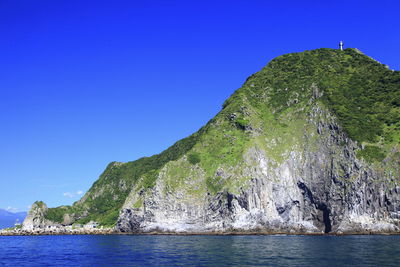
column 244, row 233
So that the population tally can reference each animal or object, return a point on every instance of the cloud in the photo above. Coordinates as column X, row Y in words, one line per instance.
column 68, row 194
column 72, row 195
column 11, row 209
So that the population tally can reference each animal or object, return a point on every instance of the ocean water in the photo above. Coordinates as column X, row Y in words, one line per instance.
column 164, row 250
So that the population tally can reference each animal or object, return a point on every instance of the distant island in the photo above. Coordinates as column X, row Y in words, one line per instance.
column 310, row 144
column 11, row 219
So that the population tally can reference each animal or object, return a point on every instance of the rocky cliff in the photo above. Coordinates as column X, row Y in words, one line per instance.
column 35, row 218
column 310, row 144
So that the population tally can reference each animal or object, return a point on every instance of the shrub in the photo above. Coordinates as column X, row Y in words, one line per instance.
column 194, row 158
column 371, row 154
column 56, row 214
column 242, row 123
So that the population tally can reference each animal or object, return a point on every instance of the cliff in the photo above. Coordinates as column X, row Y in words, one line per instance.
column 309, row 144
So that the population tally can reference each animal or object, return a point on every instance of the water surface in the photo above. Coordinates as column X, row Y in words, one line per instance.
column 163, row 250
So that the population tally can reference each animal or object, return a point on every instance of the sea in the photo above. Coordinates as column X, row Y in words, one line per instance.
column 200, row 250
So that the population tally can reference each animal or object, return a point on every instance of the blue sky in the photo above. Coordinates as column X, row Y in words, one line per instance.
column 84, row 83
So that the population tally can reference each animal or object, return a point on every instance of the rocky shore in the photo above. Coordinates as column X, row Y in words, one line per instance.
column 69, row 230
column 110, row 231
column 57, row 231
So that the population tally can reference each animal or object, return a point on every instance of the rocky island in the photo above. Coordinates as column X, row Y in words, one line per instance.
column 309, row 144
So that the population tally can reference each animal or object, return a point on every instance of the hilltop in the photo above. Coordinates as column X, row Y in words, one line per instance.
column 310, row 143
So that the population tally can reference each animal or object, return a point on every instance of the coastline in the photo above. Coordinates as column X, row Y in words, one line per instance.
column 21, row 232
column 110, row 231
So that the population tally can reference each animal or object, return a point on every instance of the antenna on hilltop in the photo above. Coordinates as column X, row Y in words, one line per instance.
column 341, row 45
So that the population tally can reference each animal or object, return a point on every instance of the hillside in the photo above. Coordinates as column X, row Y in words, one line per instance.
column 309, row 143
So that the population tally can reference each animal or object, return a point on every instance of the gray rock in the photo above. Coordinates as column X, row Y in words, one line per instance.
column 319, row 187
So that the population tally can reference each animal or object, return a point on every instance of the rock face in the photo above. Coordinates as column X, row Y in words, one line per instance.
column 36, row 217
column 310, row 144
column 320, row 188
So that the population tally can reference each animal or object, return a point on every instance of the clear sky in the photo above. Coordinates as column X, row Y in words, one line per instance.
column 84, row 83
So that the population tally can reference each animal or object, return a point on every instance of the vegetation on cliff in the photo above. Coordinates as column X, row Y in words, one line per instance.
column 269, row 109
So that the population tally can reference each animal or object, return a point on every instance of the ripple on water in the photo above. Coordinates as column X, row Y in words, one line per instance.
column 145, row 250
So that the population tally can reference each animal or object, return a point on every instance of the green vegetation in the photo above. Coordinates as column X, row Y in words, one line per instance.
column 138, row 204
column 194, row 158
column 110, row 219
column 242, row 123
column 371, row 154
column 214, row 184
column 40, row 204
column 222, row 145
column 107, row 195
column 57, row 214
column 13, row 228
column 362, row 93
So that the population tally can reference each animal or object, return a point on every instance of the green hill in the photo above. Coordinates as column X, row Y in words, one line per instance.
column 268, row 111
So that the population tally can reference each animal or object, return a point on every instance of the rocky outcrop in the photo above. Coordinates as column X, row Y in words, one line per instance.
column 57, row 230
column 36, row 217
